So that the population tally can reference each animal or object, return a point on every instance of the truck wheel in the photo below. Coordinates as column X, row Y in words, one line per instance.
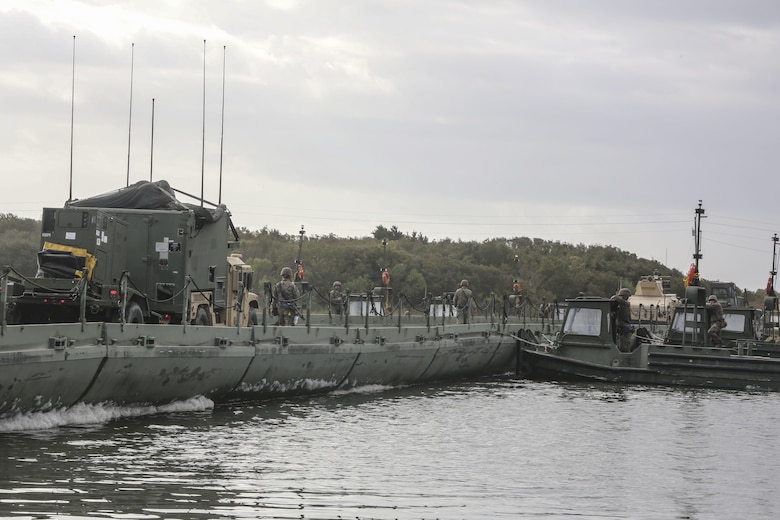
column 253, row 320
column 202, row 317
column 134, row 313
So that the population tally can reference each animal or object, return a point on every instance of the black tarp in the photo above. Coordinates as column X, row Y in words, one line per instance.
column 59, row 264
column 141, row 195
column 150, row 195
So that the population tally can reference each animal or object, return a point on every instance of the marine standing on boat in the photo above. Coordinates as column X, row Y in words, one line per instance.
column 336, row 298
column 462, row 302
column 717, row 323
column 623, row 325
column 286, row 296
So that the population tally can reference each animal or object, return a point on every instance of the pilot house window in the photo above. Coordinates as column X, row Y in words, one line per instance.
column 583, row 321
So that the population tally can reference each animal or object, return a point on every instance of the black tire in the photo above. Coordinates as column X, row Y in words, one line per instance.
column 134, row 314
column 253, row 319
column 202, row 317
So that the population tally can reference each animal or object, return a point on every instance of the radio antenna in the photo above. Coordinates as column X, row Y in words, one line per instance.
column 203, row 146
column 72, row 103
column 222, row 131
column 151, row 153
column 130, row 119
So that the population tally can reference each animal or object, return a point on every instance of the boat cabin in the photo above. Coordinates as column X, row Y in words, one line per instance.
column 690, row 321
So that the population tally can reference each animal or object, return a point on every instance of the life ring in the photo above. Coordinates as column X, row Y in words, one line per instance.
column 770, row 291
column 386, row 278
column 300, row 272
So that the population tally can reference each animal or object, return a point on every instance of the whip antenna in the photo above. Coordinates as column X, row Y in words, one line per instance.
column 130, row 119
column 203, row 146
column 222, row 132
column 72, row 103
column 151, row 153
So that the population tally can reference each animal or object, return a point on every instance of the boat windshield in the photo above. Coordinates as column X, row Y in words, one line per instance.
column 734, row 322
column 583, row 321
column 685, row 319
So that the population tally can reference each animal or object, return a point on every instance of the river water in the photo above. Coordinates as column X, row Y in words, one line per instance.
column 500, row 448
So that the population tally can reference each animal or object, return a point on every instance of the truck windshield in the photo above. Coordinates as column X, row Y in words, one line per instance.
column 583, row 321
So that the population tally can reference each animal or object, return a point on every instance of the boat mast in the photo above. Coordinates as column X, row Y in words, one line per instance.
column 697, row 239
column 771, row 287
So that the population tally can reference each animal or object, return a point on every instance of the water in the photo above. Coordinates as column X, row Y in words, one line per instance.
column 494, row 449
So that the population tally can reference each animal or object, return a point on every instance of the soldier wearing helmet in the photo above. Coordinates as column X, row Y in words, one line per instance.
column 336, row 299
column 717, row 323
column 463, row 301
column 286, row 296
column 623, row 325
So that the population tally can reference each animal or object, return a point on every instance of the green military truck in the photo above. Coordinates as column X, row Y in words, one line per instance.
column 136, row 255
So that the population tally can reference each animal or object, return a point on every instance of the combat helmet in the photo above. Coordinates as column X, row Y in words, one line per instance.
column 464, row 283
column 712, row 298
column 336, row 283
column 286, row 272
column 624, row 292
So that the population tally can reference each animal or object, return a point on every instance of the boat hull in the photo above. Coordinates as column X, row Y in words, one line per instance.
column 672, row 366
column 51, row 366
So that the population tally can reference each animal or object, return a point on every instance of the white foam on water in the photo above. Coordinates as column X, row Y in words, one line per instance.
column 92, row 414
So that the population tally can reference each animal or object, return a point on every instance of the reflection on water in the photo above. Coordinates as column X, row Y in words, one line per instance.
column 505, row 448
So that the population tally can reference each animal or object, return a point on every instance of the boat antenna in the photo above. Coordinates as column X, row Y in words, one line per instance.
column 151, row 153
column 203, row 145
column 130, row 118
column 222, row 132
column 771, row 286
column 697, row 235
column 72, row 103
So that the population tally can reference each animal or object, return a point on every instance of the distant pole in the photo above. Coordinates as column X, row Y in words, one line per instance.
column 72, row 103
column 130, row 118
column 203, row 146
column 151, row 165
column 222, row 132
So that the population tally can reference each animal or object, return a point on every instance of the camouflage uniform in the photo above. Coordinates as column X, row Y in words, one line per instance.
column 286, row 295
column 336, row 299
column 462, row 302
column 623, row 325
column 717, row 323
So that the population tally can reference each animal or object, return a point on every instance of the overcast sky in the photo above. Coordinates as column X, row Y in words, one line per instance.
column 589, row 122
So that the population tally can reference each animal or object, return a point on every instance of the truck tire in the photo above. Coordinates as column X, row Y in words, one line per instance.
column 253, row 320
column 134, row 313
column 202, row 317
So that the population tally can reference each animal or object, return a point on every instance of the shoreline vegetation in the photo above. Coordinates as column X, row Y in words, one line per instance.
column 547, row 271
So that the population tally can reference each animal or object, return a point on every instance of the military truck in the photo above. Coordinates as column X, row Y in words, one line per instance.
column 136, row 255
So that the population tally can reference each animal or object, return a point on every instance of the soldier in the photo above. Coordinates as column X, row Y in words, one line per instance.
column 717, row 323
column 462, row 302
column 623, row 325
column 285, row 297
column 336, row 298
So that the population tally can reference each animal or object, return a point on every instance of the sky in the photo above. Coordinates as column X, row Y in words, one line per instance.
column 603, row 122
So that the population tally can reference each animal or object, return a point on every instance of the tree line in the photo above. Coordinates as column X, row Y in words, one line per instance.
column 546, row 270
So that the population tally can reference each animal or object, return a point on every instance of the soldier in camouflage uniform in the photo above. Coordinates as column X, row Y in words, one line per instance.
column 336, row 298
column 286, row 296
column 623, row 325
column 462, row 302
column 717, row 323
